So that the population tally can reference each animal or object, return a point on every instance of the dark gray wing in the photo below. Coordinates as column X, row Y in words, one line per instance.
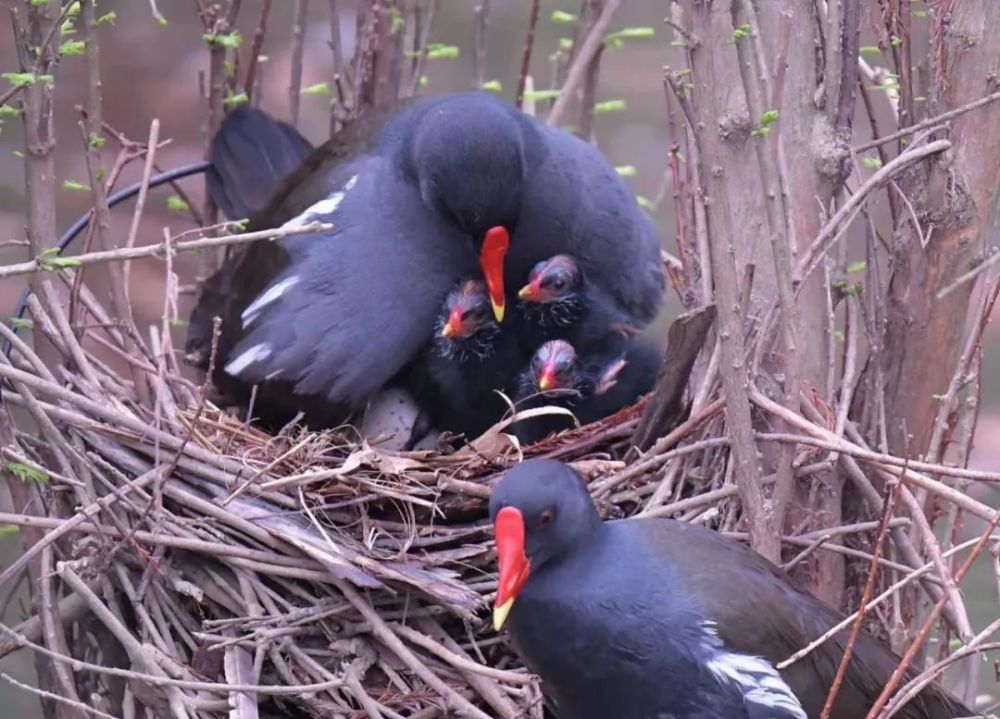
column 354, row 305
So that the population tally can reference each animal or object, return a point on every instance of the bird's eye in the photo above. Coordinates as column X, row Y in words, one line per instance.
column 547, row 517
column 558, row 284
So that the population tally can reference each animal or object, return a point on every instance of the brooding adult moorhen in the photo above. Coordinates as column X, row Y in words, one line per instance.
column 454, row 184
column 642, row 618
column 472, row 357
column 591, row 387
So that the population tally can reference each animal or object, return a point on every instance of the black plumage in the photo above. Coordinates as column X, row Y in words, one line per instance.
column 643, row 618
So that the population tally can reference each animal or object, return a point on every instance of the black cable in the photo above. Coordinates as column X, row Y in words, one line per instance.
column 131, row 191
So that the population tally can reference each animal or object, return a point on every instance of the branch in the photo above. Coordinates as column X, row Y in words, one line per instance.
column 836, row 226
column 44, row 263
column 578, row 70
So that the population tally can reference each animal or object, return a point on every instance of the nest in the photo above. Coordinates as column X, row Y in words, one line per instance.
column 187, row 562
column 307, row 574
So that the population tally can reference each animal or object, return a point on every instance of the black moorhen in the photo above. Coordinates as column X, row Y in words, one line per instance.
column 452, row 183
column 591, row 387
column 456, row 380
column 641, row 618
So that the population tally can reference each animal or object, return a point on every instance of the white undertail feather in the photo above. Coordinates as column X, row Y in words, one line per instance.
column 756, row 677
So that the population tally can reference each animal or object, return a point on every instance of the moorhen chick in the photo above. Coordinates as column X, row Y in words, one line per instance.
column 641, row 618
column 591, row 387
column 561, row 304
column 454, row 184
column 456, row 380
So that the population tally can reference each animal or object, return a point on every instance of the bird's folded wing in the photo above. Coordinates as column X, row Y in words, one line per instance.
column 354, row 305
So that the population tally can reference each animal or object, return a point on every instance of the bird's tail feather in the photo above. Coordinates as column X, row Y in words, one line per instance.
column 250, row 155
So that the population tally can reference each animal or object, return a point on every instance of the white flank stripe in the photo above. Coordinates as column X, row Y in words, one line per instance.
column 267, row 297
column 247, row 358
column 326, row 206
column 756, row 677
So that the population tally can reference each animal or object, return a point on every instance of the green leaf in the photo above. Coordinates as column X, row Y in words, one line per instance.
column 870, row 50
column 107, row 18
column 895, row 40
column 742, row 32
column 73, row 10
column 39, row 3
column 538, row 95
column 565, row 44
column 75, row 186
column 398, row 21
column 233, row 100
column 241, row 224
column 601, row 108
column 20, row 79
column 162, row 21
column 919, row 13
column 633, row 33
column 178, row 322
column 858, row 266
column 626, row 170
column 68, row 27
column 614, row 43
column 768, row 118
column 101, row 174
column 838, row 335
column 320, row 88
column 492, row 86
column 229, row 68
column 872, row 163
column 436, row 51
column 562, row 16
column 424, row 81
column 21, row 323
column 96, row 141
column 27, row 473
column 73, row 47
column 230, row 40
column 18, row 154
column 176, row 203
column 9, row 530
column 8, row 111
column 644, row 202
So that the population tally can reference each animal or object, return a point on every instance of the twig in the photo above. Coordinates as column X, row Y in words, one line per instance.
column 298, row 51
column 578, row 70
column 866, row 595
column 930, row 122
column 255, row 48
column 125, row 253
column 918, row 641
column 836, row 226
column 529, row 44
column 77, row 705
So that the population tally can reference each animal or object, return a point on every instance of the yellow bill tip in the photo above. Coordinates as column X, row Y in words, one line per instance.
column 498, row 309
column 448, row 330
column 524, row 293
column 500, row 613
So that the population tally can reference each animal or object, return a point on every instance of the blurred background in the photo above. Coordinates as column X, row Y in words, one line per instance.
column 150, row 69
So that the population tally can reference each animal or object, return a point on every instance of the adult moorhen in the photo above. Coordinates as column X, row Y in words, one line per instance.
column 641, row 618
column 454, row 184
column 592, row 387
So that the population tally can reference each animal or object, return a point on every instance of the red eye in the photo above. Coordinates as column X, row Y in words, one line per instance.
column 548, row 516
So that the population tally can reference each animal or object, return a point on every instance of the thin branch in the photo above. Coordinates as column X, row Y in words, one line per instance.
column 578, row 70
column 529, row 44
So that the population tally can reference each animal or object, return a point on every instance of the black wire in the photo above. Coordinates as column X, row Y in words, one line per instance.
column 131, row 191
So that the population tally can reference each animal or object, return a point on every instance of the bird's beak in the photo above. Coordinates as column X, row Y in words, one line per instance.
column 547, row 380
column 528, row 293
column 515, row 567
column 491, row 263
column 454, row 324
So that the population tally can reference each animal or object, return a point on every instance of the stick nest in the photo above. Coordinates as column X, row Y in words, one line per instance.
column 327, row 576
